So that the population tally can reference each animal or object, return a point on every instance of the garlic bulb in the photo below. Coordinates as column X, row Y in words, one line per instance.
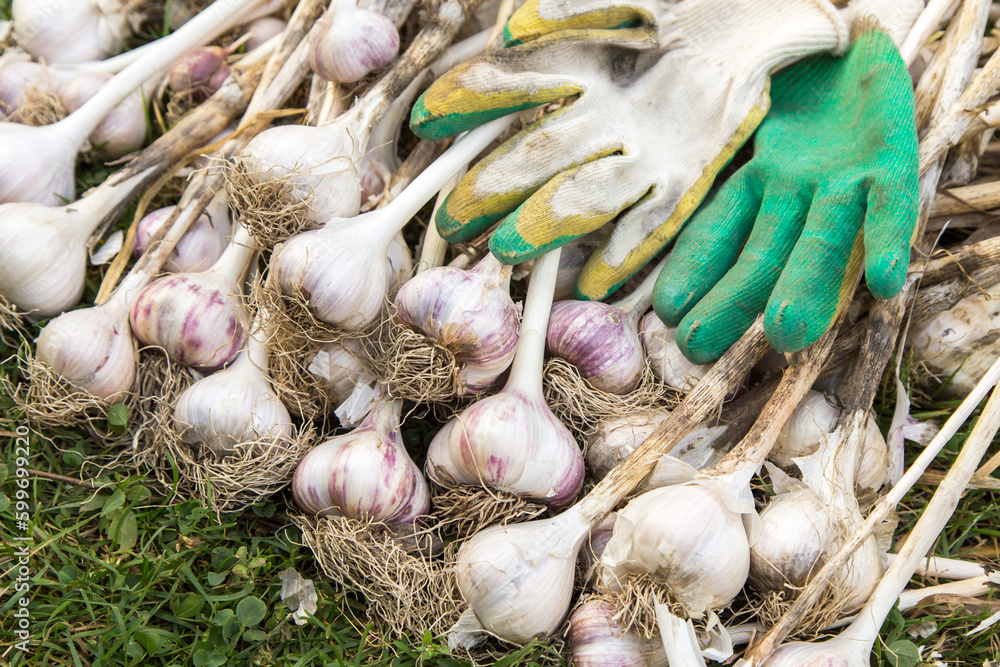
column 958, row 345
column 399, row 262
column 571, row 262
column 200, row 247
column 198, row 318
column 665, row 357
column 92, row 348
column 511, row 440
column 602, row 340
column 349, row 42
column 235, row 405
column 262, row 30
column 598, row 641
column 708, row 558
column 821, row 654
column 201, row 70
column 123, row 130
column 518, row 578
column 469, row 313
column 339, row 366
column 341, row 268
column 71, row 31
column 17, row 77
column 364, row 474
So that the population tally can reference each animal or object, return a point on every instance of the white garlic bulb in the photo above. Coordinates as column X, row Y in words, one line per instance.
column 820, row 654
column 598, row 641
column 234, row 406
column 37, row 164
column 349, row 42
column 399, row 262
column 339, row 366
column 124, row 128
column 518, row 578
column 470, row 313
column 708, row 558
column 71, row 31
column 92, row 348
column 18, row 75
column 364, row 474
column 262, row 30
column 666, row 358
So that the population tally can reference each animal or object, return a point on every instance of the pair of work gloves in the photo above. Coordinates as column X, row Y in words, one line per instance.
column 663, row 95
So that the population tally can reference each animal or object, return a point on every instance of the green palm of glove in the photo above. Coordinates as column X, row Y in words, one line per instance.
column 833, row 180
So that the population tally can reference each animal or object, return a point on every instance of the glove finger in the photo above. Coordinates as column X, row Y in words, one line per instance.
column 890, row 224
column 509, row 175
column 496, row 84
column 573, row 203
column 543, row 17
column 707, row 247
column 728, row 310
column 820, row 271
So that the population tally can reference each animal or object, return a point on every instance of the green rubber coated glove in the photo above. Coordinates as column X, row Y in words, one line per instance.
column 833, row 180
column 640, row 142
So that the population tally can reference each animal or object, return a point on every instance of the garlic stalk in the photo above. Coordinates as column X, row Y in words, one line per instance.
column 53, row 148
column 350, row 42
column 341, row 268
column 853, row 646
column 71, row 30
column 198, row 318
column 236, row 405
column 602, row 340
column 469, row 313
column 364, row 474
column 200, row 247
column 665, row 356
column 511, row 441
column 319, row 164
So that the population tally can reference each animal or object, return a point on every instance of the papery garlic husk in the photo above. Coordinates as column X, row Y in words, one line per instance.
column 200, row 246
column 616, row 438
column 598, row 641
column 344, row 277
column 685, row 536
column 810, row 427
column 958, row 346
column 665, row 357
column 512, row 442
column 349, row 42
column 317, row 165
column 198, row 319
column 500, row 565
column 123, row 130
column 600, row 340
column 234, row 406
column 340, row 368
column 71, row 31
column 92, row 348
column 364, row 474
column 469, row 313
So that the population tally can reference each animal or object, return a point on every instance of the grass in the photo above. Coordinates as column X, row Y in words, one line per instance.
column 119, row 573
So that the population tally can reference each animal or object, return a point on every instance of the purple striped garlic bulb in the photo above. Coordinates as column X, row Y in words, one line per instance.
column 200, row 247
column 198, row 318
column 350, row 42
column 511, row 441
column 364, row 474
column 470, row 313
column 602, row 340
column 597, row 640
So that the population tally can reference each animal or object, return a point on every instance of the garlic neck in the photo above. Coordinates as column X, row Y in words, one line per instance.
column 257, row 351
column 526, row 372
column 638, row 302
column 384, row 416
column 237, row 256
column 87, row 213
column 493, row 271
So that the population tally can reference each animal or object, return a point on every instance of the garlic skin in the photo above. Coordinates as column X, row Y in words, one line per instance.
column 598, row 641
column 509, row 441
column 343, row 284
column 17, row 76
column 200, row 247
column 43, row 259
column 502, row 564
column 820, row 654
column 93, row 349
column 364, row 474
column 708, row 558
column 339, row 366
column 235, row 405
column 399, row 262
column 319, row 166
column 665, row 358
column 873, row 467
column 470, row 313
column 596, row 338
column 349, row 42
column 123, row 130
column 70, row 31
column 52, row 148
